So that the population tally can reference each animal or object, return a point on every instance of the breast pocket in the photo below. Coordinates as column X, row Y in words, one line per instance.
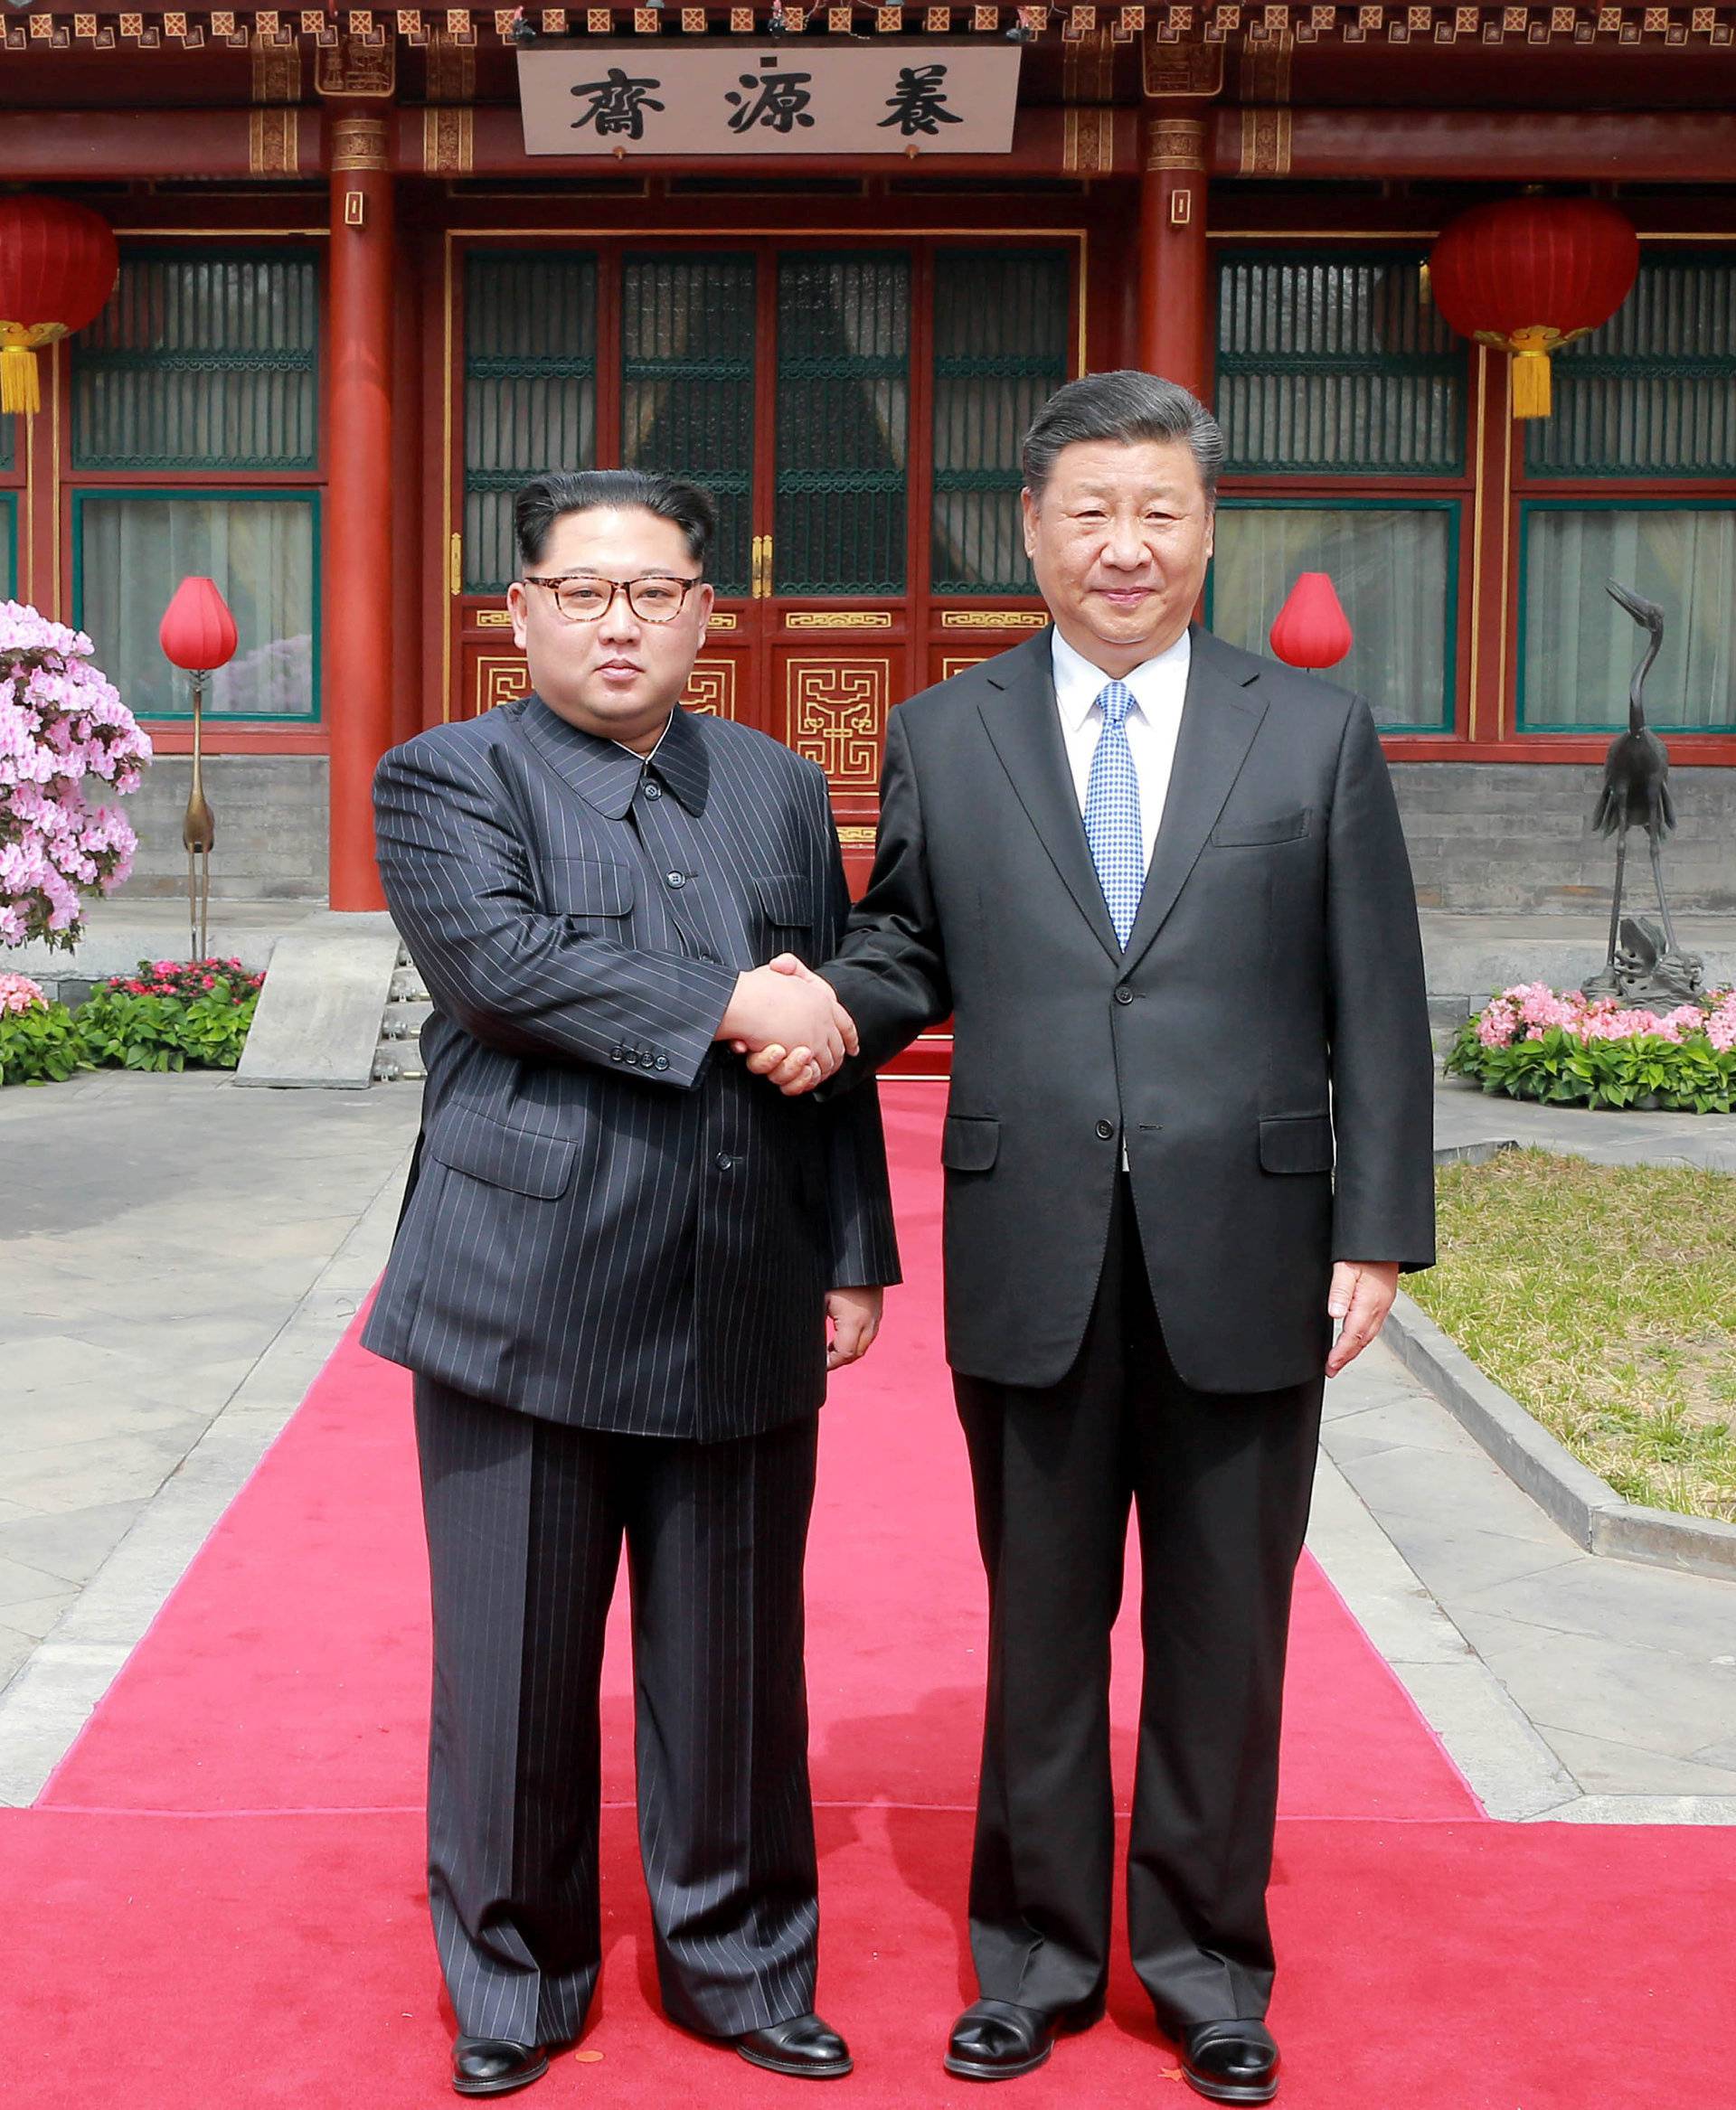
column 595, row 893
column 1236, row 834
column 787, row 905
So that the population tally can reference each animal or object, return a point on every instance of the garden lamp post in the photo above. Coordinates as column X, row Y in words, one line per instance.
column 1312, row 630
column 198, row 634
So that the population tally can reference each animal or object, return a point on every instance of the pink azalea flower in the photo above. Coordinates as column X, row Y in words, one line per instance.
column 61, row 722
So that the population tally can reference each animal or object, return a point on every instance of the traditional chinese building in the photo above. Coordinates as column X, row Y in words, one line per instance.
column 828, row 263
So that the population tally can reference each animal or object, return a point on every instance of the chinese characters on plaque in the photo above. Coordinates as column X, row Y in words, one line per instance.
column 741, row 98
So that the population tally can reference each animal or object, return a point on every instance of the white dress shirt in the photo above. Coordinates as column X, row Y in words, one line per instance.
column 1159, row 686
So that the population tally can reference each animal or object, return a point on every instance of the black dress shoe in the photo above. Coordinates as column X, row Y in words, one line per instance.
column 496, row 2066
column 805, row 2047
column 1230, row 2062
column 997, row 2040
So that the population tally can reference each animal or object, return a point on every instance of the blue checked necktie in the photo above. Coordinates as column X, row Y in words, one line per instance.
column 1112, row 812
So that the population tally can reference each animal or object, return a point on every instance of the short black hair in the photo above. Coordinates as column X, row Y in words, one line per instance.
column 548, row 498
column 1126, row 405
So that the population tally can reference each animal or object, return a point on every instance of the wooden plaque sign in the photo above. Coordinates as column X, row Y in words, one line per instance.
column 742, row 97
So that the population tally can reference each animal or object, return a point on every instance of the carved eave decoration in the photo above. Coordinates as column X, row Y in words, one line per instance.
column 1091, row 33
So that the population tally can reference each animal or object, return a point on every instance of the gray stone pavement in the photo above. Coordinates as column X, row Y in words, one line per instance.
column 177, row 1257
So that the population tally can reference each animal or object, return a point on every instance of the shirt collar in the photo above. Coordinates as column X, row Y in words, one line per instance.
column 1079, row 683
column 608, row 772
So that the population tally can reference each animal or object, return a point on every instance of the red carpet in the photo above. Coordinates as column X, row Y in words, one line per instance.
column 224, row 1903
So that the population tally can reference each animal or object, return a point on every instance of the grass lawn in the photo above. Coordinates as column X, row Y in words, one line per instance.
column 1603, row 1298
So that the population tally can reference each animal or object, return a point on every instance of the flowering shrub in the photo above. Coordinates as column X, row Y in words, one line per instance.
column 60, row 721
column 1531, row 1044
column 19, row 992
column 170, row 1013
column 189, row 980
column 39, row 1040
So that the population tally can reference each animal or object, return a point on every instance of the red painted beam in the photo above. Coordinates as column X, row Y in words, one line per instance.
column 72, row 147
column 1480, row 145
column 1085, row 142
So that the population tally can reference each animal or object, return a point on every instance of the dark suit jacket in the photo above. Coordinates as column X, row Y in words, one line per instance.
column 612, row 1224
column 1271, row 1002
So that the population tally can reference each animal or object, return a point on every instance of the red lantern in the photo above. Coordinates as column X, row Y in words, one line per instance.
column 1312, row 629
column 58, row 266
column 197, row 631
column 1528, row 275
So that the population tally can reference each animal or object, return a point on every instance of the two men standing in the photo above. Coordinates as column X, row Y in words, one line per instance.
column 1161, row 888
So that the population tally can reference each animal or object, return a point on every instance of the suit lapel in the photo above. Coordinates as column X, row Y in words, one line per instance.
column 1023, row 724
column 1220, row 714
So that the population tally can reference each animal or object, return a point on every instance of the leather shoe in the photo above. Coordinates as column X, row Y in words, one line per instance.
column 805, row 2047
column 496, row 2066
column 1233, row 2061
column 997, row 2040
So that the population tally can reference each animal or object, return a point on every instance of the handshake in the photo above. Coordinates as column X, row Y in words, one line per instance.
column 789, row 1024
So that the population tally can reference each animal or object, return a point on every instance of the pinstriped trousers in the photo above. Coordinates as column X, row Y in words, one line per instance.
column 525, row 1523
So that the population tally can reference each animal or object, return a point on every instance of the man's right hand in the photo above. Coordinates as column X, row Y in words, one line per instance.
column 774, row 1007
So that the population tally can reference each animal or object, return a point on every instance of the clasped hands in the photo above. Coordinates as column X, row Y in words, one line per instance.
column 789, row 1024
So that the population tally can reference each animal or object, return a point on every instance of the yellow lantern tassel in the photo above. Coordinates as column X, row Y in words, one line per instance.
column 1531, row 378
column 21, row 389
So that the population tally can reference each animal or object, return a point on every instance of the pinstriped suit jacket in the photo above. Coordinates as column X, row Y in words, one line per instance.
column 613, row 1224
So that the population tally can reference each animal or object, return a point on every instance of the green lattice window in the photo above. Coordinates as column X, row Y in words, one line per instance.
column 1000, row 349
column 205, row 361
column 7, row 424
column 1652, row 393
column 1333, row 365
column 1394, row 567
column 843, row 356
column 8, row 545
column 530, row 392
column 687, row 339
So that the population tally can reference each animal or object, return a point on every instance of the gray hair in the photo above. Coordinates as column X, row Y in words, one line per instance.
column 1127, row 406
column 549, row 497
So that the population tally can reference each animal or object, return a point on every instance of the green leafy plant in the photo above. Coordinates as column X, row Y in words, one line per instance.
column 39, row 1040
column 1531, row 1044
column 171, row 1014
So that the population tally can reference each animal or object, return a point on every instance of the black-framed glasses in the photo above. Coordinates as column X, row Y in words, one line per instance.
column 585, row 597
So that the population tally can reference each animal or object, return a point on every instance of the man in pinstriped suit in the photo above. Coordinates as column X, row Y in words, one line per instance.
column 612, row 1279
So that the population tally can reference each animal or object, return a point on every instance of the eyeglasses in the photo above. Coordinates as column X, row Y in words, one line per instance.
column 583, row 597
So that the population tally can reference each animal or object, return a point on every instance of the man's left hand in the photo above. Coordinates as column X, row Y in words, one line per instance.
column 855, row 1314
column 1360, row 1294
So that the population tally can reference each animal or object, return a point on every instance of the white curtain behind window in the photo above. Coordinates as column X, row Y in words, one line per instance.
column 1581, row 648
column 135, row 552
column 1389, row 567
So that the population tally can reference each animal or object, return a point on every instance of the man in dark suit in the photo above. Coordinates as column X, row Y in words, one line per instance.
column 1169, row 1041
column 612, row 1279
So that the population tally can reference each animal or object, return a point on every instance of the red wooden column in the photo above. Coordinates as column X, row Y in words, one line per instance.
column 1174, row 336
column 359, row 595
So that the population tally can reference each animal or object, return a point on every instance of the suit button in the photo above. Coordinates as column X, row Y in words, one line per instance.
column 661, row 1062
column 617, row 1055
column 725, row 1163
column 652, row 789
column 1106, row 1131
column 677, row 879
column 1124, row 994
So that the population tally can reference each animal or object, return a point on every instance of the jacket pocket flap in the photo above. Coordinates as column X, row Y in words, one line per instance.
column 1297, row 1143
column 587, row 886
column 490, row 1151
column 785, row 897
column 969, row 1142
column 1284, row 828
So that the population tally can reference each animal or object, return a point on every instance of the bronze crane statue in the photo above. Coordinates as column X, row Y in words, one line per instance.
column 1637, row 778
